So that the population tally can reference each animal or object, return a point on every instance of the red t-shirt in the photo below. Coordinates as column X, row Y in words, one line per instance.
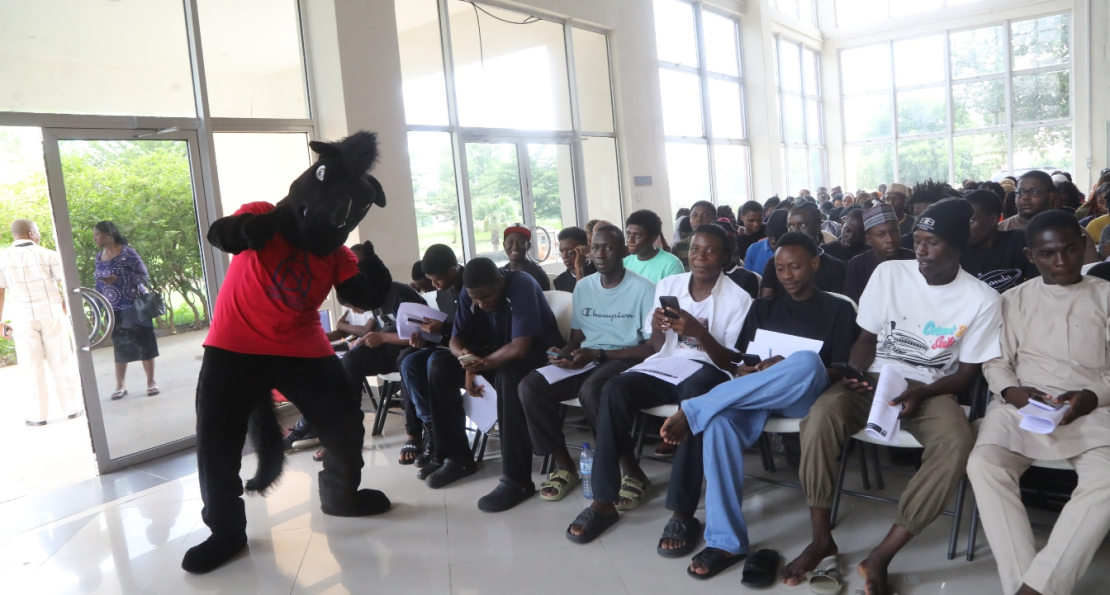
column 268, row 303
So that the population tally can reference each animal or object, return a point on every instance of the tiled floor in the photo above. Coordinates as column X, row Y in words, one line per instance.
column 437, row 542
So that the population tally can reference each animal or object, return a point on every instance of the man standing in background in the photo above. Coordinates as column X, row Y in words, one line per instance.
column 32, row 276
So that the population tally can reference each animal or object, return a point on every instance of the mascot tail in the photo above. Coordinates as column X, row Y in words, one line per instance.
column 265, row 434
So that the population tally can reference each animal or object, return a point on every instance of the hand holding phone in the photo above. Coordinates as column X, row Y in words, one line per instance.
column 669, row 303
column 750, row 359
column 850, row 372
column 555, row 354
column 469, row 357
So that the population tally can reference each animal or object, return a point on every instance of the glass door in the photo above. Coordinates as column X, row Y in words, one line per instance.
column 551, row 185
column 125, row 207
column 496, row 195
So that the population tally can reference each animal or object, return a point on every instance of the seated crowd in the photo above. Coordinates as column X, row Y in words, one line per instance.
column 942, row 285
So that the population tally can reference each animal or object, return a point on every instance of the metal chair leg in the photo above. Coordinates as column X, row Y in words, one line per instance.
column 544, row 465
column 973, row 531
column 370, row 392
column 764, row 455
column 482, row 448
column 639, row 428
column 961, row 491
column 474, row 444
column 385, row 396
column 863, row 466
column 878, row 469
column 844, row 453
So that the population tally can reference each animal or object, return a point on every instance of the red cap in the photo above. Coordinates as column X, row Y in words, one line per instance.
column 517, row 228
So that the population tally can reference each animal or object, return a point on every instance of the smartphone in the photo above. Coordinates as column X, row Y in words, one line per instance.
column 470, row 357
column 848, row 371
column 556, row 354
column 412, row 320
column 669, row 301
column 1046, row 405
column 750, row 359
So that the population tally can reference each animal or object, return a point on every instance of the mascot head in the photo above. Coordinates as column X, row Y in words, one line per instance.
column 330, row 198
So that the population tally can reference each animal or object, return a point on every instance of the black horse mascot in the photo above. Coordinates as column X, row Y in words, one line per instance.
column 266, row 334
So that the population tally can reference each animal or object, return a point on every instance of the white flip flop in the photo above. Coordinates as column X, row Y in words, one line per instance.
column 826, row 578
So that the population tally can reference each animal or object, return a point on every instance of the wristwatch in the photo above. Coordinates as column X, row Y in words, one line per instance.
column 602, row 356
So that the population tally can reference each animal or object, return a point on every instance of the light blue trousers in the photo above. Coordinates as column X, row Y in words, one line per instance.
column 732, row 416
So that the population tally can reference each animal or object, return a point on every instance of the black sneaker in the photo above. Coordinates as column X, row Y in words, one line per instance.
column 429, row 468
column 449, row 473
column 427, row 448
column 303, row 435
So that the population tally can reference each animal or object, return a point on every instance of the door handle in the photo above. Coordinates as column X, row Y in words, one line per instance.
column 85, row 349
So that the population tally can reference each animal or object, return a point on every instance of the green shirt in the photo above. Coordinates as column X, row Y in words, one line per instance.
column 663, row 265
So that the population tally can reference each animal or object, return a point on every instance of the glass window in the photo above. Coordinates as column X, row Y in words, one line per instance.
column 252, row 58
column 979, row 156
column 1049, row 148
column 903, row 7
column 797, row 163
column 919, row 61
column 510, row 69
column 865, row 69
column 436, row 195
column 922, row 111
column 688, row 169
column 867, row 116
column 552, row 195
column 816, row 168
column 867, row 166
column 732, row 174
column 921, row 160
column 496, row 198
column 809, row 72
column 793, row 119
column 681, row 103
column 724, row 105
column 790, row 64
column 979, row 105
column 591, row 71
column 422, row 79
column 603, row 196
column 675, row 38
column 1042, row 96
column 720, row 44
column 1040, row 42
column 976, row 52
column 807, row 12
column 95, row 60
column 254, row 166
column 814, row 129
column 852, row 12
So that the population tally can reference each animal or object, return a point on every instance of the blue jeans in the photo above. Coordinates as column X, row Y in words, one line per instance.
column 730, row 418
column 414, row 372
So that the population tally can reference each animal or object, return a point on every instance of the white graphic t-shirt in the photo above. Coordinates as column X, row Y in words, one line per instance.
column 924, row 330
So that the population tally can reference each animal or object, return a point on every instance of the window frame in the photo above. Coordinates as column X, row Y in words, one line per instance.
column 1009, row 127
column 808, row 144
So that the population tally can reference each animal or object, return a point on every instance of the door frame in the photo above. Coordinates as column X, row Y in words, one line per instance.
column 205, row 207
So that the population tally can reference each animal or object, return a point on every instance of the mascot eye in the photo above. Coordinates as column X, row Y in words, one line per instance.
column 304, row 211
column 320, row 172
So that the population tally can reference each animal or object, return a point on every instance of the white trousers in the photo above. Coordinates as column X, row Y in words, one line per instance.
column 1077, row 535
column 43, row 343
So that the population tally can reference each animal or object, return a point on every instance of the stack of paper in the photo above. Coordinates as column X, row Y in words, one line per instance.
column 410, row 316
column 768, row 344
column 481, row 410
column 883, row 423
column 672, row 369
column 1041, row 418
column 554, row 374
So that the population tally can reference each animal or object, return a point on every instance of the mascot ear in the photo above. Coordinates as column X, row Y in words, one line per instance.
column 324, row 149
column 379, row 193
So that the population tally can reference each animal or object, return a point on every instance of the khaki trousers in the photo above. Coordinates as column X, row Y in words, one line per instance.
column 939, row 424
column 40, row 344
column 1079, row 531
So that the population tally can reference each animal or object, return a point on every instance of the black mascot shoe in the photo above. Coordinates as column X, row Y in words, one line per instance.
column 429, row 468
column 336, row 499
column 212, row 553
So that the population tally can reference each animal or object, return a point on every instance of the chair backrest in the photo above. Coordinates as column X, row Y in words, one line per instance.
column 551, row 277
column 847, row 299
column 430, row 299
column 1088, row 267
column 562, row 304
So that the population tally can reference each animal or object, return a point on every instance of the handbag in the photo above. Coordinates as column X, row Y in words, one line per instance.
column 150, row 305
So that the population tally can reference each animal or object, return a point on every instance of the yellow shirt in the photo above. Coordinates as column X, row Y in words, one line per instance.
column 1096, row 226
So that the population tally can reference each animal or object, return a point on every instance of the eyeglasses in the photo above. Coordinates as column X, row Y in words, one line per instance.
column 1020, row 192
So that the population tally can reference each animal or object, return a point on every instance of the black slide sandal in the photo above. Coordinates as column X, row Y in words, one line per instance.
column 688, row 531
column 714, row 559
column 761, row 569
column 411, row 446
column 595, row 525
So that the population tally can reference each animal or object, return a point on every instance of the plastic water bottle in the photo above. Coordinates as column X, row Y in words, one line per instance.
column 585, row 470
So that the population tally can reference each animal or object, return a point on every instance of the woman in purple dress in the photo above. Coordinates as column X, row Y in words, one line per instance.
column 121, row 277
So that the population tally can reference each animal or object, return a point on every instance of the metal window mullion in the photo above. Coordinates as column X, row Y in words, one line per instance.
column 1043, row 123
column 1007, row 64
column 951, row 112
column 979, row 79
column 805, row 115
column 306, row 55
column 893, row 105
column 707, row 116
column 527, row 199
column 743, row 105
column 578, row 165
column 458, row 148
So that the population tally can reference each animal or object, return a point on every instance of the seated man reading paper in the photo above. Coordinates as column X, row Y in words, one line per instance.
column 1065, row 367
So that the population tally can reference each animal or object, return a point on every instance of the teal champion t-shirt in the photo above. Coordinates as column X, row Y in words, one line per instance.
column 663, row 265
column 613, row 318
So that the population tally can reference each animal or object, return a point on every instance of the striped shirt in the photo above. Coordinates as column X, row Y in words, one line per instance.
column 30, row 276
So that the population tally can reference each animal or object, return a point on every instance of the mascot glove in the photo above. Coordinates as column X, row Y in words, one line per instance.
column 259, row 230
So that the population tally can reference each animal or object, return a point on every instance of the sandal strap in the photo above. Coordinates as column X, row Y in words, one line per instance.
column 710, row 556
column 632, row 486
column 677, row 529
column 558, row 479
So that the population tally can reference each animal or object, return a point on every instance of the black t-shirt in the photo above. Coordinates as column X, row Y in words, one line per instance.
column 1003, row 265
column 905, row 226
column 830, row 277
column 861, row 267
column 566, row 281
column 743, row 242
column 386, row 315
column 823, row 317
column 844, row 253
column 1100, row 270
column 745, row 279
column 537, row 273
column 447, row 300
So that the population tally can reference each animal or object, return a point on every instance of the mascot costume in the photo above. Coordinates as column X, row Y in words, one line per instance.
column 266, row 334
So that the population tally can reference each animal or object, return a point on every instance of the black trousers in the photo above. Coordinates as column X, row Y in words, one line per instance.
column 363, row 361
column 231, row 385
column 541, row 399
column 446, row 379
column 621, row 399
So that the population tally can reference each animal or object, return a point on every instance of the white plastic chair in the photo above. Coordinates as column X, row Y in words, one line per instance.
column 562, row 304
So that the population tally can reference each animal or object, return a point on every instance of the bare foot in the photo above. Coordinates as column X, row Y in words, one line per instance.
column 554, row 491
column 699, row 567
column 639, row 476
column 674, row 544
column 876, row 578
column 604, row 509
column 676, row 428
column 794, row 573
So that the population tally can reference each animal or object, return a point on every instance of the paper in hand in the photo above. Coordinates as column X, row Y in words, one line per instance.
column 1040, row 418
column 768, row 344
column 411, row 315
column 481, row 410
column 671, row 369
column 883, row 423
column 554, row 374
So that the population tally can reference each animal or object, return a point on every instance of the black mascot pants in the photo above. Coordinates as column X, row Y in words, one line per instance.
column 231, row 385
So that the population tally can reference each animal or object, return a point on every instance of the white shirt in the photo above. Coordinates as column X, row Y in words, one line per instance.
column 30, row 275
column 723, row 313
column 354, row 319
column 924, row 330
